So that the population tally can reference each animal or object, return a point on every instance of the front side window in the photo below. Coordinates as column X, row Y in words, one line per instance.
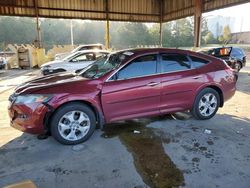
column 142, row 66
column 237, row 52
column 84, row 57
column 174, row 62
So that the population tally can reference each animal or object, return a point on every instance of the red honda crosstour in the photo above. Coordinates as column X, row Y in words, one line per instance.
column 122, row 85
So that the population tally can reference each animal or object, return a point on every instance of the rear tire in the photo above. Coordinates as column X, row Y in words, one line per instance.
column 206, row 104
column 73, row 123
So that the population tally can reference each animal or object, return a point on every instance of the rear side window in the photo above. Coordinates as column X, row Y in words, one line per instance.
column 174, row 62
column 237, row 52
column 198, row 62
column 142, row 66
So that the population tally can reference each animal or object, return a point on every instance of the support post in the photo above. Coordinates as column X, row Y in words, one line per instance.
column 71, row 33
column 161, row 19
column 107, row 37
column 197, row 23
column 160, row 34
column 38, row 30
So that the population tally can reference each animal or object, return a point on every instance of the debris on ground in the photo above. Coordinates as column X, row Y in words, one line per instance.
column 24, row 184
column 137, row 132
column 207, row 131
column 78, row 147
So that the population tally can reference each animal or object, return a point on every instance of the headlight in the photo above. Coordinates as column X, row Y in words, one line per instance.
column 46, row 67
column 26, row 99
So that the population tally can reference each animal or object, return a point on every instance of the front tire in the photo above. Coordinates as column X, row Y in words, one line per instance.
column 206, row 104
column 73, row 123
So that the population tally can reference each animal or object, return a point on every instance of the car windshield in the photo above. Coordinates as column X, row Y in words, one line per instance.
column 80, row 48
column 70, row 56
column 103, row 66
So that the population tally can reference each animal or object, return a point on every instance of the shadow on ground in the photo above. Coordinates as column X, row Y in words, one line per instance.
column 244, row 85
column 167, row 151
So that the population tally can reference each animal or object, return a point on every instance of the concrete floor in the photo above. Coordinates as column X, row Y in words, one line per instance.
column 219, row 159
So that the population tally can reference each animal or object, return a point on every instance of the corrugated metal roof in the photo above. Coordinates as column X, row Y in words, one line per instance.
column 117, row 10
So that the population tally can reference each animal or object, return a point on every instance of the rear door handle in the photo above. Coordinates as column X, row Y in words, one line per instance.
column 152, row 84
column 197, row 77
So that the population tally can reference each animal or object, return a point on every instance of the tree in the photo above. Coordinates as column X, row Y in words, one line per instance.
column 204, row 31
column 226, row 36
column 17, row 30
column 167, row 36
column 154, row 32
column 182, row 33
column 128, row 35
column 176, row 34
column 209, row 38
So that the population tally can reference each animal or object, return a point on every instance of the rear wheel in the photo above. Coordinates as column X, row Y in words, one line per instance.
column 206, row 104
column 73, row 124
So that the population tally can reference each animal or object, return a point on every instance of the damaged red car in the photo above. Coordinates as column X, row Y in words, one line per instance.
column 122, row 85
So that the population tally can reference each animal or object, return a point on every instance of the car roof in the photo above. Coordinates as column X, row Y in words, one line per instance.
column 91, row 51
column 138, row 51
column 97, row 44
column 132, row 53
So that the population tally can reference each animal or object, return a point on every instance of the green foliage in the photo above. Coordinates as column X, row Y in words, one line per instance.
column 226, row 35
column 204, row 31
column 176, row 34
column 129, row 35
column 209, row 38
column 17, row 30
column 154, row 32
column 182, row 33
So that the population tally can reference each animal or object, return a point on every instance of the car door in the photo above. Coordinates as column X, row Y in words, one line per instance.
column 133, row 91
column 179, row 81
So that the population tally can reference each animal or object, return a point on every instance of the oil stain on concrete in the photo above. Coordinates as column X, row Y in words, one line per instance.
column 150, row 159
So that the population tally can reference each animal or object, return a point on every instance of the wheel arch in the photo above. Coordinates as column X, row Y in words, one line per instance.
column 216, row 88
column 98, row 114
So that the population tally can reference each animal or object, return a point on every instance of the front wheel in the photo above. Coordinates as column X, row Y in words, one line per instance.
column 206, row 104
column 73, row 123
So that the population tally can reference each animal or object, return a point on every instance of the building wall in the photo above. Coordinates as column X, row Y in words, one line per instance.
column 241, row 38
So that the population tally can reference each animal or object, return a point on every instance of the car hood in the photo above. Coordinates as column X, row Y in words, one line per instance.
column 46, row 82
column 52, row 62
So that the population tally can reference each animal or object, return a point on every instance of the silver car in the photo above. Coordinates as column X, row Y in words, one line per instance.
column 80, row 48
column 73, row 62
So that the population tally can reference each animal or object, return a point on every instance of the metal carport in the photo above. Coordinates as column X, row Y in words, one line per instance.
column 158, row 11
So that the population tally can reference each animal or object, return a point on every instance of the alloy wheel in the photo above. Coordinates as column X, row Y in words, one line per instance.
column 208, row 104
column 74, row 125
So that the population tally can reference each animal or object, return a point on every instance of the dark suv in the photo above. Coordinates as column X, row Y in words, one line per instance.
column 234, row 56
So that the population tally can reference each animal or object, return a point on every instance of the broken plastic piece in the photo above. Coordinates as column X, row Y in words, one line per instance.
column 137, row 132
column 207, row 131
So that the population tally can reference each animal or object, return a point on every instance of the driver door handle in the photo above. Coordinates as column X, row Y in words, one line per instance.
column 197, row 77
column 152, row 84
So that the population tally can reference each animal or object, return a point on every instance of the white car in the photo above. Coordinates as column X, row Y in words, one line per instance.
column 74, row 62
column 80, row 48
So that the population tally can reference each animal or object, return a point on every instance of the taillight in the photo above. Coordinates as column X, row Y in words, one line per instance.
column 232, row 73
